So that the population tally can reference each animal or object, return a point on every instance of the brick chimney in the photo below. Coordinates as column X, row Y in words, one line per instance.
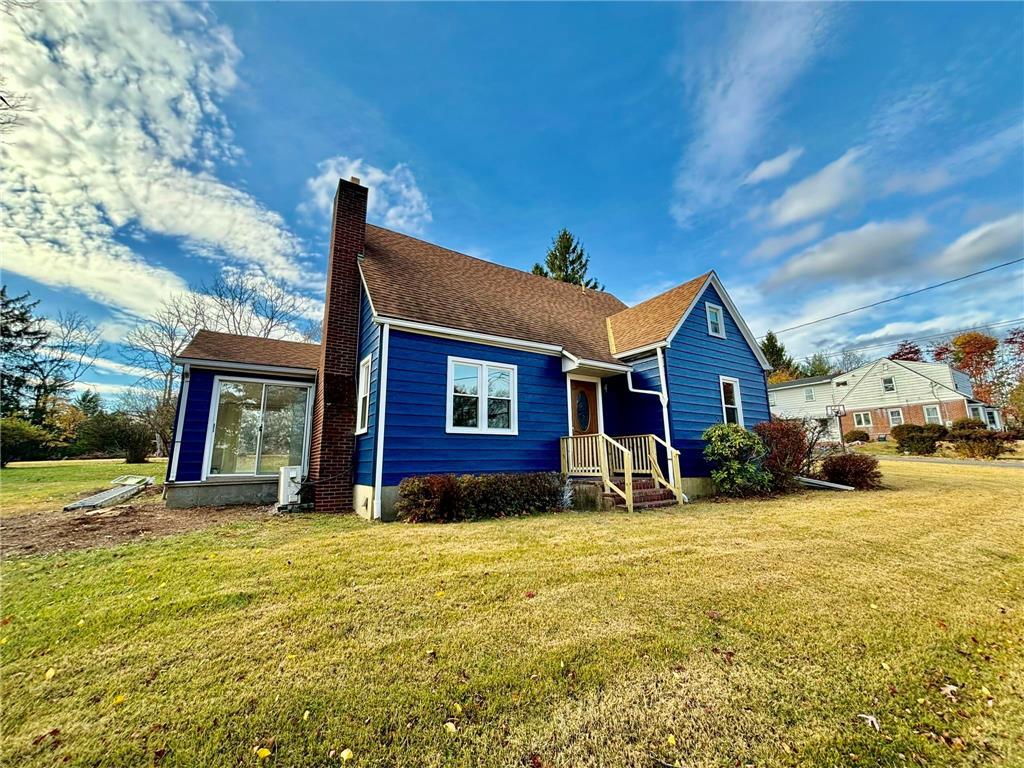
column 334, row 409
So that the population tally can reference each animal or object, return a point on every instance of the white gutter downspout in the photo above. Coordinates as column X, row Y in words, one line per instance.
column 662, row 396
column 172, row 475
column 382, row 392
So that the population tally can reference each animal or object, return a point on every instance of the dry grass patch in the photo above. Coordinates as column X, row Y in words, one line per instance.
column 714, row 634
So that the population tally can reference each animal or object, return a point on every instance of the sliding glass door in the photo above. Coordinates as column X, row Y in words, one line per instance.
column 258, row 427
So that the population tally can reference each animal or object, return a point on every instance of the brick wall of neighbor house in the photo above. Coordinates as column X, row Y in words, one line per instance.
column 949, row 410
column 334, row 416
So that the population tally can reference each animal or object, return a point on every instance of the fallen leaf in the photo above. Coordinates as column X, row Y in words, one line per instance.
column 458, row 708
column 671, row 740
column 439, row 593
column 872, row 721
column 81, row 622
column 50, row 673
column 119, row 699
column 346, row 754
column 874, row 607
column 450, row 727
column 305, row 715
column 531, row 594
column 262, row 753
column 949, row 691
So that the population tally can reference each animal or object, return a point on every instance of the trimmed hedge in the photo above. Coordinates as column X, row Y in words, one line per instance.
column 857, row 436
column 856, row 469
column 920, row 440
column 975, row 440
column 785, row 440
column 449, row 499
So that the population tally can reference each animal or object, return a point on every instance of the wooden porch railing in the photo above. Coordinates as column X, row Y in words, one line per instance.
column 603, row 456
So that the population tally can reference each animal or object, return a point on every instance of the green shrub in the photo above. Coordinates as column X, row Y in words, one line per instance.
column 857, row 436
column 785, row 444
column 736, row 457
column 22, row 441
column 917, row 439
column 973, row 443
column 855, row 469
column 116, row 432
column 965, row 425
column 447, row 498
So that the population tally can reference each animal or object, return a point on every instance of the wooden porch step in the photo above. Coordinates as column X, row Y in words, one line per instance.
column 639, row 483
column 655, row 497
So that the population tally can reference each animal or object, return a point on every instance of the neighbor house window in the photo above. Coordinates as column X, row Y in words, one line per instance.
column 888, row 384
column 363, row 396
column 932, row 415
column 716, row 323
column 977, row 412
column 862, row 419
column 895, row 417
column 771, row 399
column 732, row 405
column 481, row 397
column 257, row 427
column 809, row 394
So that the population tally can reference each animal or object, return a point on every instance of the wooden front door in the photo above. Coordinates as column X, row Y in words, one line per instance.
column 583, row 407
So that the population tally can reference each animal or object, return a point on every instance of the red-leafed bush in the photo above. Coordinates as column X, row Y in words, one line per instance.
column 785, row 443
column 856, row 469
column 857, row 436
column 448, row 499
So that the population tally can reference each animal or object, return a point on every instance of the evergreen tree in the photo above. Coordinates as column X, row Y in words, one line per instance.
column 89, row 403
column 21, row 335
column 775, row 351
column 817, row 364
column 568, row 262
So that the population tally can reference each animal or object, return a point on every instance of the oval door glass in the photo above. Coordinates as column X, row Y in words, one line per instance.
column 582, row 411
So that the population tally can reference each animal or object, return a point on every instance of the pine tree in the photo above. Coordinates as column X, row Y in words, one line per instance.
column 568, row 262
column 21, row 335
column 89, row 403
column 817, row 364
column 775, row 352
column 908, row 350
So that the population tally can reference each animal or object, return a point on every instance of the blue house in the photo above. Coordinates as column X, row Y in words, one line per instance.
column 436, row 362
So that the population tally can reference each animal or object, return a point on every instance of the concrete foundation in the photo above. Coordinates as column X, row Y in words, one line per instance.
column 362, row 501
column 221, row 494
column 695, row 487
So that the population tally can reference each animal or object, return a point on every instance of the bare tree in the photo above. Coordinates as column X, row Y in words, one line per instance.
column 67, row 354
column 851, row 360
column 13, row 106
column 152, row 345
column 250, row 305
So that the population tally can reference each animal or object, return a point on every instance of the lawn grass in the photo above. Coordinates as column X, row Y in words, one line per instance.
column 34, row 486
column 753, row 633
column 1014, row 452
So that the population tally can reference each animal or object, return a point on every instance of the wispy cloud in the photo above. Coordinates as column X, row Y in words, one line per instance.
column 876, row 248
column 737, row 81
column 395, row 199
column 775, row 167
column 771, row 247
column 991, row 243
column 124, row 139
column 838, row 184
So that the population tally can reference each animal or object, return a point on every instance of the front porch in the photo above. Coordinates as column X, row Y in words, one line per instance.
column 635, row 471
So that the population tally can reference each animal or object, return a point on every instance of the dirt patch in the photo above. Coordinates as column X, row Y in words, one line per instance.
column 145, row 518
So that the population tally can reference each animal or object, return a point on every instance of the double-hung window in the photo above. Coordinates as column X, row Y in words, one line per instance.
column 809, row 395
column 716, row 322
column 895, row 417
column 932, row 415
column 363, row 396
column 257, row 427
column 862, row 419
column 732, row 405
column 481, row 397
column 888, row 384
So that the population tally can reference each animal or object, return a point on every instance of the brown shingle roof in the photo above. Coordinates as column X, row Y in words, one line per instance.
column 231, row 348
column 653, row 320
column 414, row 280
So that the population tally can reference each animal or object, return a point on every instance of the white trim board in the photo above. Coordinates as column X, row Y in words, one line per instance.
column 569, row 379
column 482, row 397
column 186, row 375
column 462, row 335
column 382, row 400
column 245, row 367
column 737, row 393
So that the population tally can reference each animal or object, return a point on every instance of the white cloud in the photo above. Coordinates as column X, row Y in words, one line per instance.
column 113, row 367
column 775, row 167
column 984, row 246
column 771, row 247
column 737, row 82
column 101, row 388
column 123, row 140
column 839, row 183
column 974, row 160
column 874, row 249
column 395, row 200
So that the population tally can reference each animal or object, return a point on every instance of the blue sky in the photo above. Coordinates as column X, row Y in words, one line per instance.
column 818, row 157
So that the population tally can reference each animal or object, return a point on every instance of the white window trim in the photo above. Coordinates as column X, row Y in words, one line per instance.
column 482, row 428
column 211, row 425
column 722, row 380
column 888, row 391
column 938, row 414
column 365, row 366
column 708, row 308
column 890, row 411
column 808, row 391
column 865, row 419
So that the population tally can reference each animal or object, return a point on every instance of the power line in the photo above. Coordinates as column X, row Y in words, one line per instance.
column 946, row 334
column 895, row 298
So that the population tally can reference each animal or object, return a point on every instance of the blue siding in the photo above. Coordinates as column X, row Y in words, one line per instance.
column 197, row 417
column 369, row 344
column 415, row 441
column 646, row 374
column 631, row 413
column 693, row 364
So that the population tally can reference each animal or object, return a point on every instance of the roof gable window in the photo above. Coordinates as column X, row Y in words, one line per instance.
column 716, row 320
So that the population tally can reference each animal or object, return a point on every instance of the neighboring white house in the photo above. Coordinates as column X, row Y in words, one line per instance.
column 883, row 394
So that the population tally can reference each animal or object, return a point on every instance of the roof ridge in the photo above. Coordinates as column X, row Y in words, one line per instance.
column 581, row 289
